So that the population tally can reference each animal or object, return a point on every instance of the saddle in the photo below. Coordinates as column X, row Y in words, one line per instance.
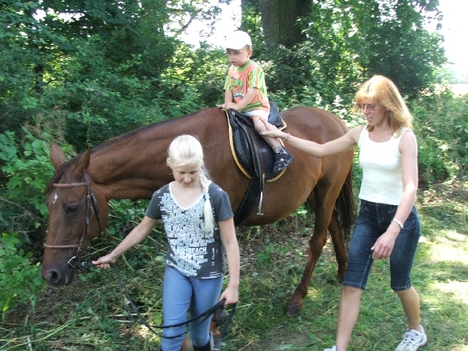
column 253, row 156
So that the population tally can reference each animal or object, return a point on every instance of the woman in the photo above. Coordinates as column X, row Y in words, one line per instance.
column 198, row 222
column 388, row 224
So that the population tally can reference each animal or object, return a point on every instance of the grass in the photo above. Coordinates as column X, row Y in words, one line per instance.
column 88, row 314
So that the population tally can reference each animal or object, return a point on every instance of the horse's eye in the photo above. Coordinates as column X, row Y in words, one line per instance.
column 71, row 209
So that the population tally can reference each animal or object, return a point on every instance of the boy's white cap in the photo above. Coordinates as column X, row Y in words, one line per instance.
column 237, row 40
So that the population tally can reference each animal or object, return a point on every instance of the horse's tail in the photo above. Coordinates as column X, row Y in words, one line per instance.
column 345, row 207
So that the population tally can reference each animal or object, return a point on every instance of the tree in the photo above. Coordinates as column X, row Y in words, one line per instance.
column 349, row 40
column 279, row 21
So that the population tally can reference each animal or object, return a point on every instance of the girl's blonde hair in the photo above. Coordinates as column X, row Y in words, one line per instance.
column 382, row 91
column 184, row 150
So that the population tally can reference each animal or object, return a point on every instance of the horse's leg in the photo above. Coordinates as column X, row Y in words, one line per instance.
column 323, row 212
column 341, row 252
column 187, row 344
column 215, row 335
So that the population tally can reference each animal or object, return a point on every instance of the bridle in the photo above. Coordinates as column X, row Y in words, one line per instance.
column 92, row 209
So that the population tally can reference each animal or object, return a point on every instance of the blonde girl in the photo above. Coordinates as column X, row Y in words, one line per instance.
column 199, row 226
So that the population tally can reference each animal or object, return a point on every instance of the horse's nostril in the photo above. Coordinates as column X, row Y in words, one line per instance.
column 52, row 277
column 58, row 278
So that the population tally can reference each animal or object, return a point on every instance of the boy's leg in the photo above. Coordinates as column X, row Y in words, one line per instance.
column 260, row 126
column 282, row 157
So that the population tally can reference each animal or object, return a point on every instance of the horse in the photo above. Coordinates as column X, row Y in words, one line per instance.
column 133, row 166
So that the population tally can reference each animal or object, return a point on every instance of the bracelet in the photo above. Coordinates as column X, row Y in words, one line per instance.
column 287, row 137
column 397, row 221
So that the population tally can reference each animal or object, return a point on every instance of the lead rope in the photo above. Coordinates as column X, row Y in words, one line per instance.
column 124, row 293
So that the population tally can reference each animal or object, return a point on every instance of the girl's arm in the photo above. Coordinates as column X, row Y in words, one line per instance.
column 136, row 236
column 409, row 165
column 336, row 146
column 228, row 234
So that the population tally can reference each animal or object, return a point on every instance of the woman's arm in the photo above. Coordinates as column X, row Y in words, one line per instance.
column 228, row 234
column 409, row 166
column 136, row 236
column 336, row 146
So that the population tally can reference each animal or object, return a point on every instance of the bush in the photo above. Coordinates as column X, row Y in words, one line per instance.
column 20, row 281
column 441, row 126
column 26, row 169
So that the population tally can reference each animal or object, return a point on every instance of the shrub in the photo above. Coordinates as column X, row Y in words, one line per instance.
column 20, row 280
column 441, row 126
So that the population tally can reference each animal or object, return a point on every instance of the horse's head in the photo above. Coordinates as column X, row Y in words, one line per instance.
column 77, row 214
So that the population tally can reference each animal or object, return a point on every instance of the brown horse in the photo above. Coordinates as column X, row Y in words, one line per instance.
column 133, row 166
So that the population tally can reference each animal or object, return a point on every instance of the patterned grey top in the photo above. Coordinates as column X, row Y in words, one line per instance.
column 191, row 251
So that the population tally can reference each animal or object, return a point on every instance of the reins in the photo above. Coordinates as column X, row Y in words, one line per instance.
column 125, row 296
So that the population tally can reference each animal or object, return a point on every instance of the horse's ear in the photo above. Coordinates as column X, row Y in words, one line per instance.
column 56, row 155
column 83, row 162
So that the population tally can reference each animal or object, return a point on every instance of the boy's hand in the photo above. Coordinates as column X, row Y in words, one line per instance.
column 230, row 105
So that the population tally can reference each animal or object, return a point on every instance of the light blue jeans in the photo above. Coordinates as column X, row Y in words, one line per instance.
column 372, row 222
column 180, row 295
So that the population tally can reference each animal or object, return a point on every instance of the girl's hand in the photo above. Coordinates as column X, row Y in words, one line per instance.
column 104, row 261
column 231, row 295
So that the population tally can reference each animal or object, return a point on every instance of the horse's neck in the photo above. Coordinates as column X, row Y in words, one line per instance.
column 133, row 165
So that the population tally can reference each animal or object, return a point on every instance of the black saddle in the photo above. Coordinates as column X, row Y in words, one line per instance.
column 253, row 156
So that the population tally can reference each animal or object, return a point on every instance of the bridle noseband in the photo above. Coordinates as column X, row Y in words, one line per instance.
column 92, row 208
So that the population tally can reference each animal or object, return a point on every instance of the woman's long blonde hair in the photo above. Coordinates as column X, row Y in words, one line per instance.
column 383, row 91
column 184, row 150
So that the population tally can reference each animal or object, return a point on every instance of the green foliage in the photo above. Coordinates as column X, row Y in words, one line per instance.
column 353, row 40
column 441, row 125
column 89, row 312
column 109, row 67
column 27, row 169
column 20, row 280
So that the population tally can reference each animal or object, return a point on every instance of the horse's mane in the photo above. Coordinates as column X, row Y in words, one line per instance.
column 131, row 133
column 63, row 168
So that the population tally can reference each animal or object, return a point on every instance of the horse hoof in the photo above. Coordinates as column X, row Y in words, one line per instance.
column 293, row 311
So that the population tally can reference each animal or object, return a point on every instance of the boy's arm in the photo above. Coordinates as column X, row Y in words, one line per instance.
column 228, row 97
column 251, row 93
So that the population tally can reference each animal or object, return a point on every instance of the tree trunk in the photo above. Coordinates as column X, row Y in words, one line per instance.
column 279, row 21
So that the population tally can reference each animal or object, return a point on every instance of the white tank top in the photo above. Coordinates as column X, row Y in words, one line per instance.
column 381, row 168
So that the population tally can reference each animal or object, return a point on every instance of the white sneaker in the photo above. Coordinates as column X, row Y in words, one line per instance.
column 412, row 340
column 334, row 348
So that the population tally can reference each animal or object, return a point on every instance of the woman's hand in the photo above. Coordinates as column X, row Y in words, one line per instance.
column 383, row 247
column 273, row 132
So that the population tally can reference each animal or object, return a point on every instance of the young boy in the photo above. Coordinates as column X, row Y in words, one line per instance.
column 245, row 91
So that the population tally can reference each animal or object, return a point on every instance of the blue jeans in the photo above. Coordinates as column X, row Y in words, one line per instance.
column 181, row 294
column 372, row 222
